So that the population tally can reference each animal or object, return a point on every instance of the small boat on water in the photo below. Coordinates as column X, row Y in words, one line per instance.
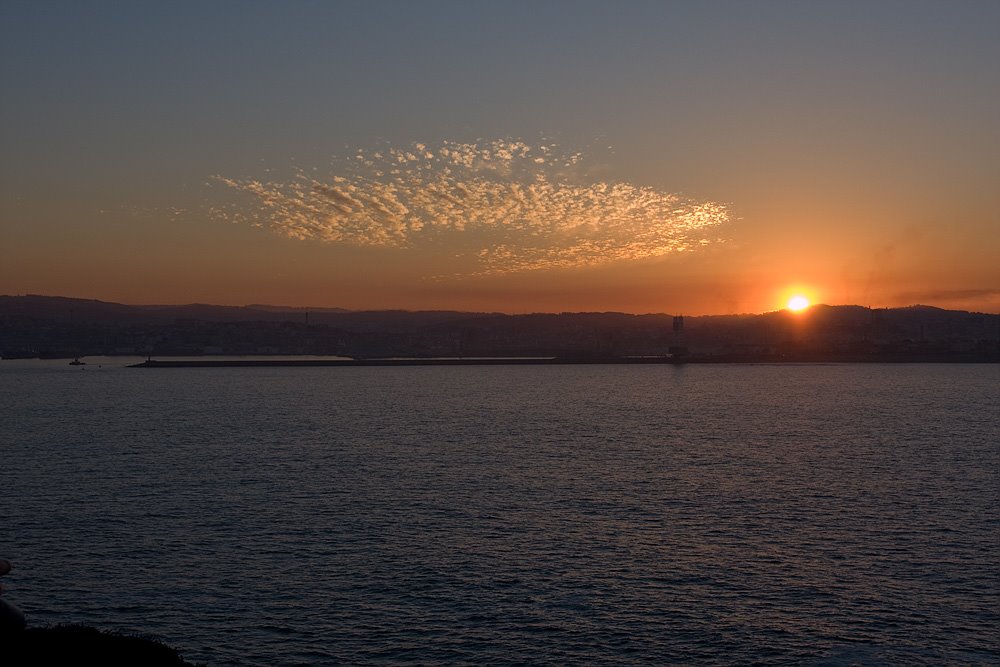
column 77, row 362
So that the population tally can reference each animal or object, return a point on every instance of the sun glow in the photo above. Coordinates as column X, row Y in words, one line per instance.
column 798, row 303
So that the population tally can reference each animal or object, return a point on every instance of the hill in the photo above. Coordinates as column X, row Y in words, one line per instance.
column 43, row 326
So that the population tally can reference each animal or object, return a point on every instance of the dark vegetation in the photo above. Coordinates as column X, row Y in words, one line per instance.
column 57, row 327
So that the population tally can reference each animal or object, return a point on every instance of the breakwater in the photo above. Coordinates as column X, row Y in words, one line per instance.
column 802, row 358
column 431, row 361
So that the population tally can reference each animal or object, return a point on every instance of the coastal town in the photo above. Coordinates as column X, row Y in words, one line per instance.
column 55, row 327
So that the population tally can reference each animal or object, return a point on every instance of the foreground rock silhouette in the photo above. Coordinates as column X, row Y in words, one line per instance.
column 11, row 618
column 78, row 644
column 74, row 644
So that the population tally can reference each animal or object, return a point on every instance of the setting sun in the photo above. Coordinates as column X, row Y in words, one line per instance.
column 798, row 302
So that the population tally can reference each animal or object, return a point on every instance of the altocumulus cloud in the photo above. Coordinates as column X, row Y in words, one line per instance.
column 511, row 205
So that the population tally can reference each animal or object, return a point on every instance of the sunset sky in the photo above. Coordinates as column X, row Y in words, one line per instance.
column 695, row 157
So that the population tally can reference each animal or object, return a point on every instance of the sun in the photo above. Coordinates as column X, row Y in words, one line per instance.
column 798, row 303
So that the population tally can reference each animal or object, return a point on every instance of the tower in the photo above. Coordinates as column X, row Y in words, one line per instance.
column 678, row 345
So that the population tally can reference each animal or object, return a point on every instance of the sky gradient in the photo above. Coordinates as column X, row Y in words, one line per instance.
column 527, row 156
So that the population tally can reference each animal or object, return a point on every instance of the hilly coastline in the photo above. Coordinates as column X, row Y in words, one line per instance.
column 59, row 327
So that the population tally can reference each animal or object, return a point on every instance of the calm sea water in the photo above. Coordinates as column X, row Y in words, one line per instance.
column 797, row 514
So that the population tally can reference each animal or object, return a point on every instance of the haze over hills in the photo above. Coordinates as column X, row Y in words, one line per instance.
column 33, row 326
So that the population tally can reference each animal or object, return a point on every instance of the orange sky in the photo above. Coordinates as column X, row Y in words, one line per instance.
column 694, row 159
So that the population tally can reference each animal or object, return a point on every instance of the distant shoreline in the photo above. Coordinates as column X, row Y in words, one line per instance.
column 51, row 328
column 566, row 361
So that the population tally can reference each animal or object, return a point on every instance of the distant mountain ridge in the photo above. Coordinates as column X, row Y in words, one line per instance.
column 281, row 309
column 35, row 325
column 70, row 309
column 60, row 308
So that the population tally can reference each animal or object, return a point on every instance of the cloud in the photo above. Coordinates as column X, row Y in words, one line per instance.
column 511, row 205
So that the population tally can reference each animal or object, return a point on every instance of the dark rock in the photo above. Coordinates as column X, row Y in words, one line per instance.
column 78, row 644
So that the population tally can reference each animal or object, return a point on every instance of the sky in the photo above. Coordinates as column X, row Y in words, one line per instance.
column 679, row 157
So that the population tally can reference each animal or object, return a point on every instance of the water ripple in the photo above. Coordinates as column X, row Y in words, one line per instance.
column 614, row 515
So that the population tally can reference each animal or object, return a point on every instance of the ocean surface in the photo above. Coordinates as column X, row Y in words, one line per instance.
column 697, row 515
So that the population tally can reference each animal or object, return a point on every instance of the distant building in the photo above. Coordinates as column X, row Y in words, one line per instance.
column 678, row 345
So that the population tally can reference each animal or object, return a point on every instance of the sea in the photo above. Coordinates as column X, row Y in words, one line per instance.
column 813, row 514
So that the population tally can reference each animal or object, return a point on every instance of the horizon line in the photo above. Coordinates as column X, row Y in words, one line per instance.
column 306, row 309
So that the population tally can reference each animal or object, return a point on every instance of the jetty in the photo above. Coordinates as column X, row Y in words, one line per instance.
column 418, row 361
